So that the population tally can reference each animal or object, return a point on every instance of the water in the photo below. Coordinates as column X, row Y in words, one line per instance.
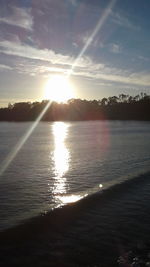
column 104, row 164
column 64, row 161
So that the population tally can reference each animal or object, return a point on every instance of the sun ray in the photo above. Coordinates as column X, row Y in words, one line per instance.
column 10, row 157
column 98, row 26
column 22, row 141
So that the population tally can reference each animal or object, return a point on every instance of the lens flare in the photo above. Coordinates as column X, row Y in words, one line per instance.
column 5, row 164
column 59, row 89
column 97, row 28
column 22, row 141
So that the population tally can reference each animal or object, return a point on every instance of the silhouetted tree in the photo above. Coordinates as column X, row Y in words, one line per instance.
column 104, row 101
column 124, row 107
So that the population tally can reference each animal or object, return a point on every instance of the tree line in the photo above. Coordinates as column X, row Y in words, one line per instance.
column 122, row 107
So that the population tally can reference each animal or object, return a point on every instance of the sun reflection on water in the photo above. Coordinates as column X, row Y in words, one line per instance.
column 61, row 157
column 71, row 198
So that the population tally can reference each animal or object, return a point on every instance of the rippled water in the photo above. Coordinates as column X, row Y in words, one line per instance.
column 62, row 162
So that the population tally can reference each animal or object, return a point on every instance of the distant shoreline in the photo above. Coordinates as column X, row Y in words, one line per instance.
column 27, row 121
column 123, row 107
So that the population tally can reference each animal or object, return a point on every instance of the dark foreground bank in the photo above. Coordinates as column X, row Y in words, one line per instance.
column 92, row 232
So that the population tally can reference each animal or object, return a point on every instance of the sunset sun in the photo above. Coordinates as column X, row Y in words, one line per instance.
column 59, row 89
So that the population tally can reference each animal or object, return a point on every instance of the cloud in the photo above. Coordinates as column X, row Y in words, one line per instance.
column 23, row 50
column 5, row 67
column 73, row 2
column 142, row 79
column 36, row 61
column 123, row 21
column 84, row 38
column 39, row 69
column 144, row 58
column 110, row 74
column 115, row 48
column 20, row 17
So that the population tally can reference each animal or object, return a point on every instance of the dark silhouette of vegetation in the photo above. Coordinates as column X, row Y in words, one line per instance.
column 123, row 107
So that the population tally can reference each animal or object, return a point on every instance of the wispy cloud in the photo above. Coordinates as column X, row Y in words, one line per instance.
column 146, row 59
column 5, row 67
column 123, row 21
column 135, row 78
column 24, row 50
column 115, row 48
column 48, row 61
column 27, row 51
column 20, row 17
column 110, row 74
column 73, row 2
column 95, row 43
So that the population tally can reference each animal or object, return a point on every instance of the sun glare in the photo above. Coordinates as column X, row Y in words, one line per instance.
column 59, row 89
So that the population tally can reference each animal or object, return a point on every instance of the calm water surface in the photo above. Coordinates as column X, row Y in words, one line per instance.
column 62, row 162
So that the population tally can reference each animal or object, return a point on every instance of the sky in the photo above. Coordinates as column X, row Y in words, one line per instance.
column 103, row 44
